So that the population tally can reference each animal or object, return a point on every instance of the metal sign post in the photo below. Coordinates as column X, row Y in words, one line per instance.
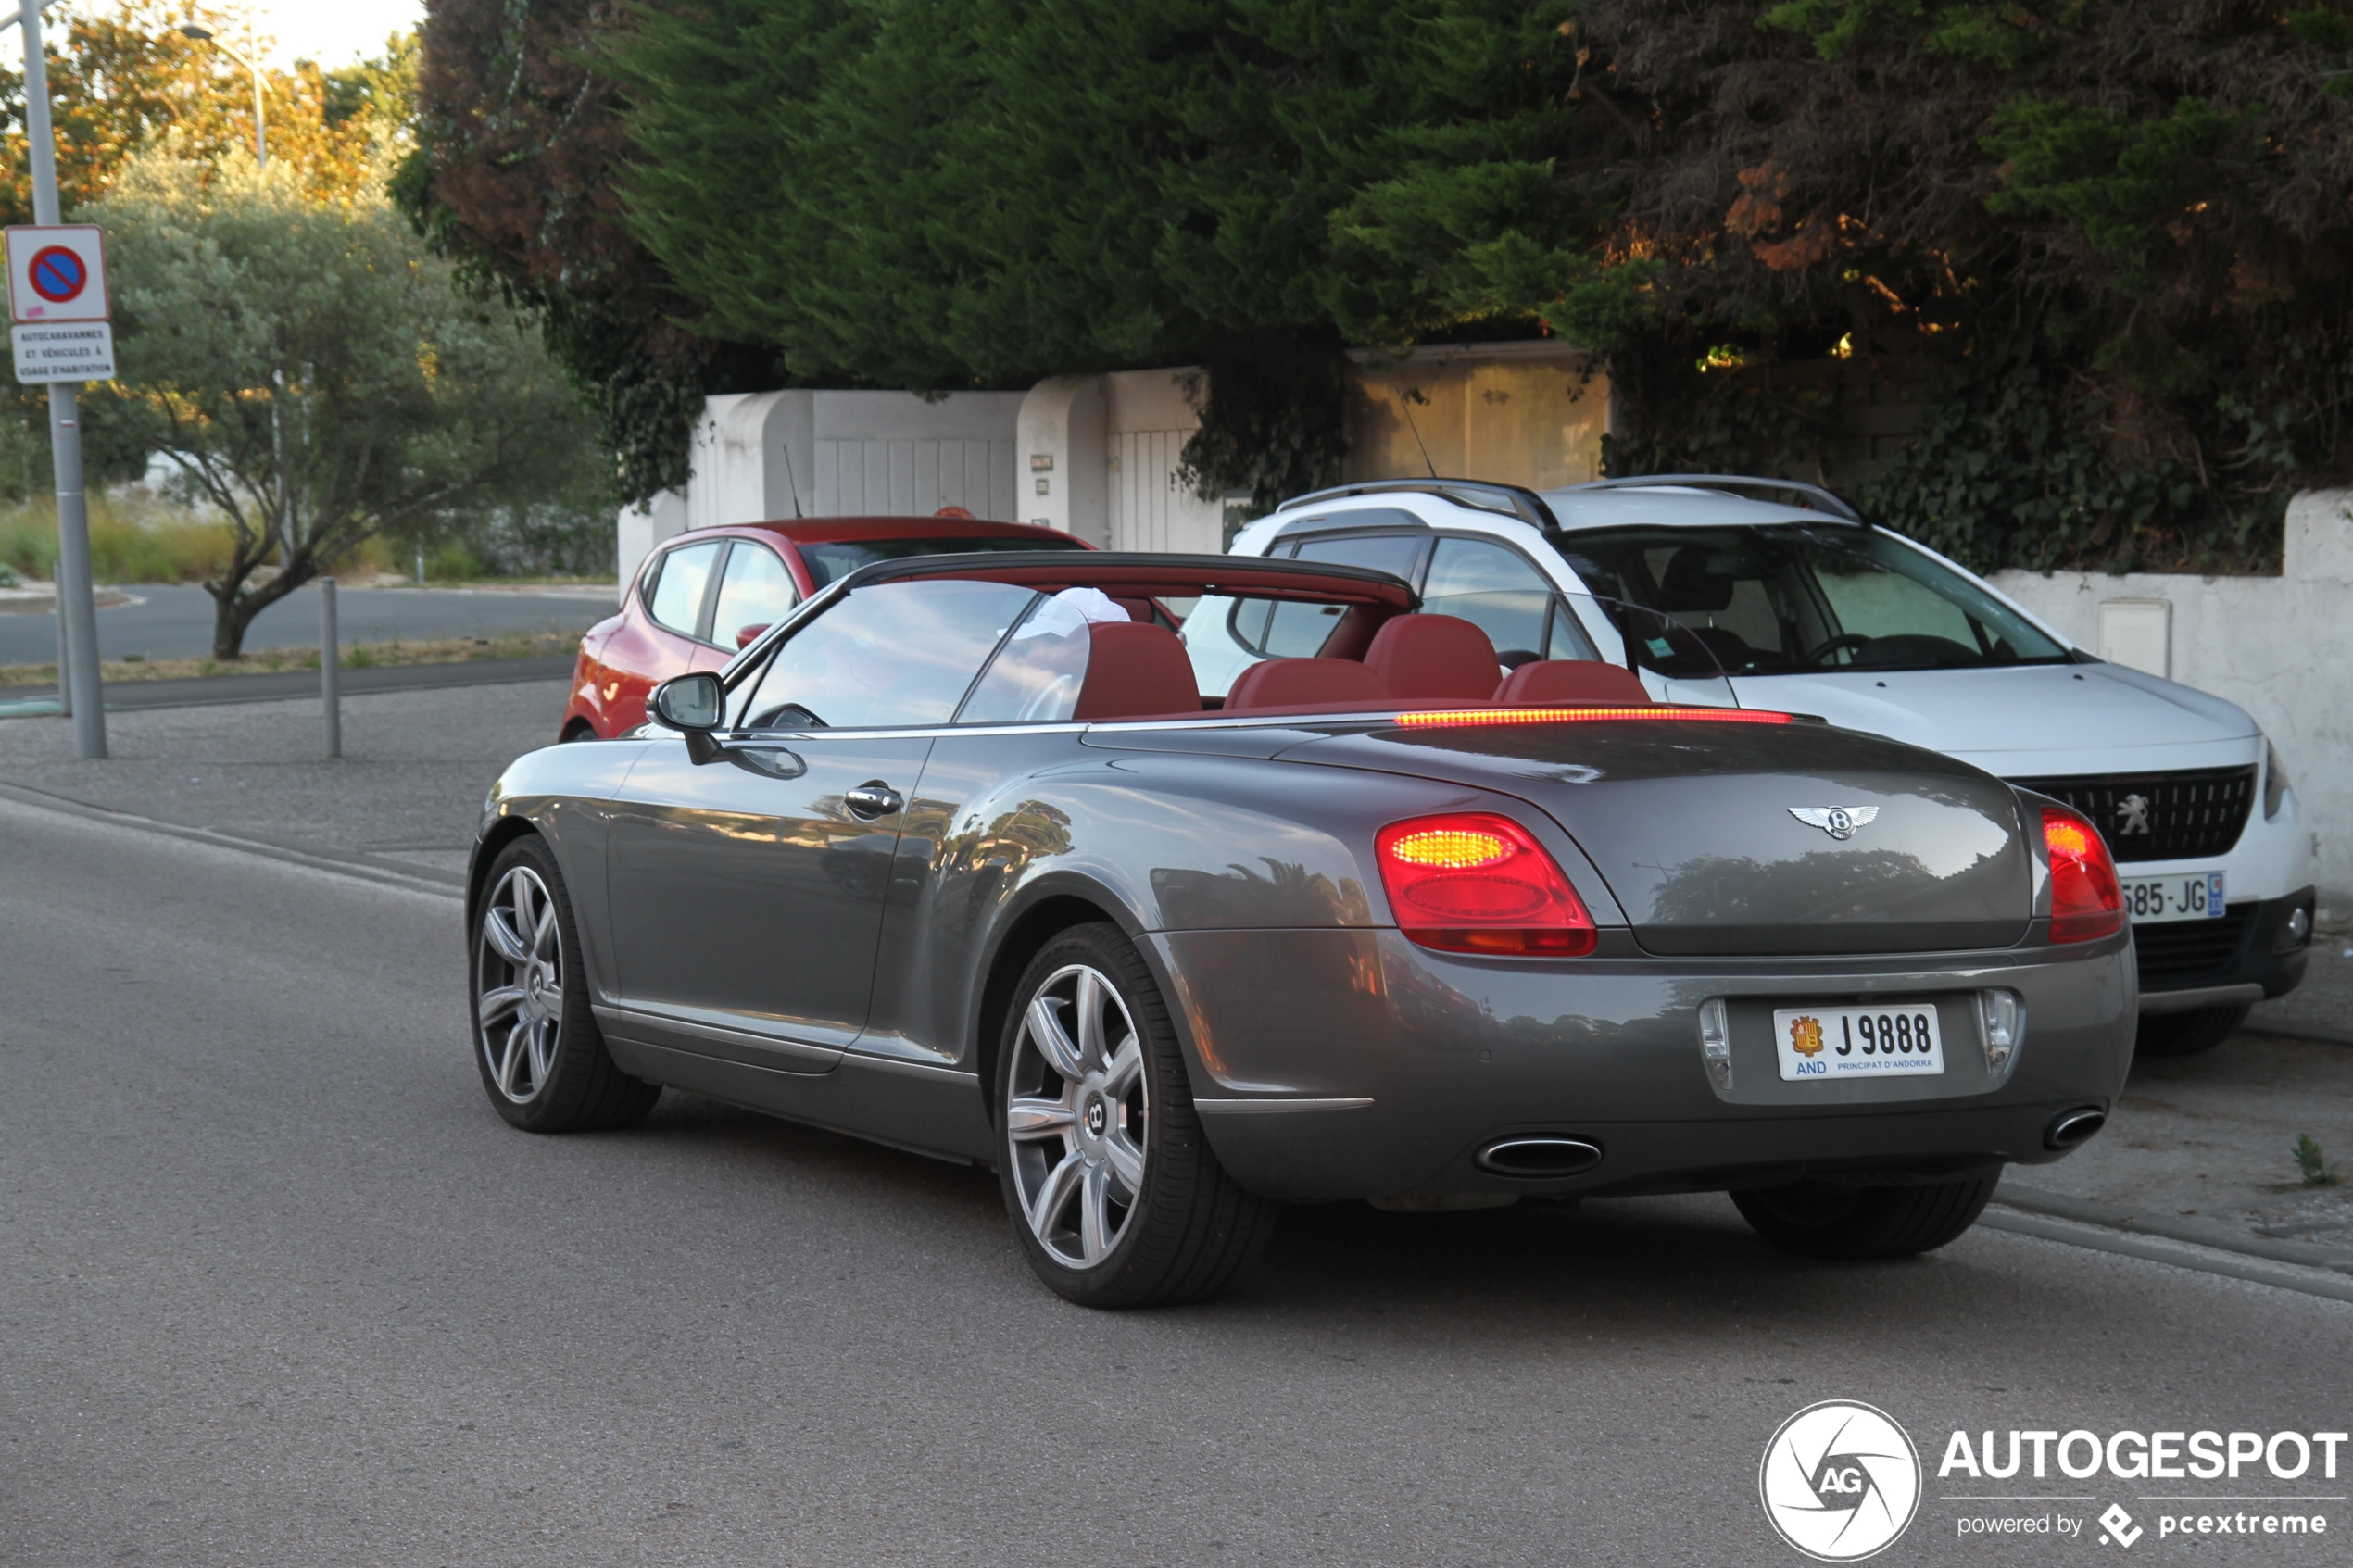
column 329, row 665
column 64, row 270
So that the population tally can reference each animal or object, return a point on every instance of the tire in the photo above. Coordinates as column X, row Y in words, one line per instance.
column 1089, row 1118
column 542, row 1058
column 2187, row 1033
column 579, row 729
column 1851, row 1221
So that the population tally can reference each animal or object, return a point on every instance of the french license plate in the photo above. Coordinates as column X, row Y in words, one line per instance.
column 1892, row 1040
column 2183, row 896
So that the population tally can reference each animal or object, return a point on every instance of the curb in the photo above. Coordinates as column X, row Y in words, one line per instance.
column 359, row 865
column 2229, row 1264
column 2186, row 1229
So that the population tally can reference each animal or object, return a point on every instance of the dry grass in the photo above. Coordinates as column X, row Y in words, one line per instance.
column 135, row 536
column 356, row 656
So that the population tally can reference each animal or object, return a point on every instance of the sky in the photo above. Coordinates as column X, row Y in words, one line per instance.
column 334, row 33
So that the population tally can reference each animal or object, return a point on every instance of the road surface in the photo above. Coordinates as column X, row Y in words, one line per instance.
column 174, row 620
column 276, row 1288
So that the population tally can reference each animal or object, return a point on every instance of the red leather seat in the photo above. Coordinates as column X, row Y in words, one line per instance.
column 1433, row 655
column 1136, row 670
column 1303, row 683
column 1572, row 683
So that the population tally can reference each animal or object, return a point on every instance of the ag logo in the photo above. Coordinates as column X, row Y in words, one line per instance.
column 1840, row 1482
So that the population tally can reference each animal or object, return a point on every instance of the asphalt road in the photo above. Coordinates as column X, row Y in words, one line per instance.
column 174, row 620
column 276, row 1287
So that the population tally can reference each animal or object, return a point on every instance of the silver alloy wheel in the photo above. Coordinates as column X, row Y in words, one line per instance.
column 520, row 965
column 1078, row 1113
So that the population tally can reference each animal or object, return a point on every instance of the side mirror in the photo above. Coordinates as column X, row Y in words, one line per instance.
column 692, row 703
column 744, row 637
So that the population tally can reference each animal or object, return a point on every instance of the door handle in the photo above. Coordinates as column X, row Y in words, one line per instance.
column 873, row 798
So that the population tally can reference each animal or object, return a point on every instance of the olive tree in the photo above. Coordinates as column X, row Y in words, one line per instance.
column 314, row 374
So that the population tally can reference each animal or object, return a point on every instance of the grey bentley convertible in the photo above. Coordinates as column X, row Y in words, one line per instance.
column 957, row 858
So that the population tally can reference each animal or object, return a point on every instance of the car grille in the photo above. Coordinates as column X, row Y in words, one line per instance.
column 2182, row 951
column 2161, row 816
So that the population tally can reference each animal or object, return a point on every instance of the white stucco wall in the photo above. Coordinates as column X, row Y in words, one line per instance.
column 2281, row 647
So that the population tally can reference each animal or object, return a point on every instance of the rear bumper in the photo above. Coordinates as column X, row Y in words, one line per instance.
column 2244, row 957
column 1335, row 1065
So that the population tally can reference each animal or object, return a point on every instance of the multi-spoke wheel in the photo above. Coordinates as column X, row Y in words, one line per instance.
column 541, row 1055
column 520, row 1004
column 1079, row 1116
column 1118, row 1197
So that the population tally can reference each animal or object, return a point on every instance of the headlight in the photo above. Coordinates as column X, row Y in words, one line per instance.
column 2275, row 785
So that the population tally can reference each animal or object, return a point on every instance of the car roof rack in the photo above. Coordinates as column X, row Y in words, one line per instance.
column 1479, row 494
column 1812, row 497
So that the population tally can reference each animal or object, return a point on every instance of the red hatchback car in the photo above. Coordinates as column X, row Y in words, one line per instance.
column 703, row 595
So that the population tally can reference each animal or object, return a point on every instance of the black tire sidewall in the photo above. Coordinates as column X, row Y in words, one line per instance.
column 2187, row 1034
column 1865, row 1223
column 1174, row 1149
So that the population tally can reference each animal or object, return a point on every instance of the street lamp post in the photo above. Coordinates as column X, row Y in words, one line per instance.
column 260, row 139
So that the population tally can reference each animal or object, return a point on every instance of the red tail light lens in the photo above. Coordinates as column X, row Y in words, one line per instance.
column 1475, row 882
column 2085, row 900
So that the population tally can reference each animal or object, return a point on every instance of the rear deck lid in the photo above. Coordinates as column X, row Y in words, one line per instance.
column 1745, row 838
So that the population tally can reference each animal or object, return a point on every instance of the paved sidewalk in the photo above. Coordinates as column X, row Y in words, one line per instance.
column 404, row 795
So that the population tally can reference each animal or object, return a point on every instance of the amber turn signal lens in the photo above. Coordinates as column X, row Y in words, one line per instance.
column 1451, row 848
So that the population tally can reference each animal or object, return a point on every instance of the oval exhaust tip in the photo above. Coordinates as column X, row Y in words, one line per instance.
column 2069, row 1128
column 1538, row 1157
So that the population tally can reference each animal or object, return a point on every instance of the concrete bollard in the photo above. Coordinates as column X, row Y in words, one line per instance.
column 329, row 665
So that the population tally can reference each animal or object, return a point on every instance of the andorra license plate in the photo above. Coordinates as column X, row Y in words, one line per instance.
column 1887, row 1041
column 2183, row 896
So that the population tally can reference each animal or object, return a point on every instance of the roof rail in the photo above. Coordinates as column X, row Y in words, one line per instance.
column 1812, row 497
column 1479, row 494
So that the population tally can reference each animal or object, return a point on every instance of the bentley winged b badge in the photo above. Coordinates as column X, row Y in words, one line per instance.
column 1838, row 821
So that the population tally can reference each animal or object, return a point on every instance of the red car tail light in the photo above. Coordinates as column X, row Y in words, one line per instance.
column 2085, row 900
column 1476, row 883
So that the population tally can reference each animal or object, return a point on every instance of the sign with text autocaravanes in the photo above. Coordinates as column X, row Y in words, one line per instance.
column 58, row 303
column 75, row 351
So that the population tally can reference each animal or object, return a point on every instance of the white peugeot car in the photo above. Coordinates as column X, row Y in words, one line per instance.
column 1770, row 593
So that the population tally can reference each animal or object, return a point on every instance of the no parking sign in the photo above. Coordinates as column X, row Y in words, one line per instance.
column 57, row 301
column 57, row 272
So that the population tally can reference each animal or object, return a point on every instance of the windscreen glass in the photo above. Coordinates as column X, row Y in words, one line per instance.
column 837, row 558
column 897, row 654
column 1800, row 599
column 1284, row 628
column 1036, row 675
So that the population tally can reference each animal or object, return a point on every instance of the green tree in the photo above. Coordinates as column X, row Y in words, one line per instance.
column 314, row 374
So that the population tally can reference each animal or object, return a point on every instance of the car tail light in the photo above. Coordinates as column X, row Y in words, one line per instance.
column 1476, row 882
column 2085, row 900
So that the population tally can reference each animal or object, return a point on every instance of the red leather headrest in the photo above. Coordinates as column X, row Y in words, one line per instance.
column 1572, row 683
column 1417, row 656
column 1134, row 669
column 1295, row 683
